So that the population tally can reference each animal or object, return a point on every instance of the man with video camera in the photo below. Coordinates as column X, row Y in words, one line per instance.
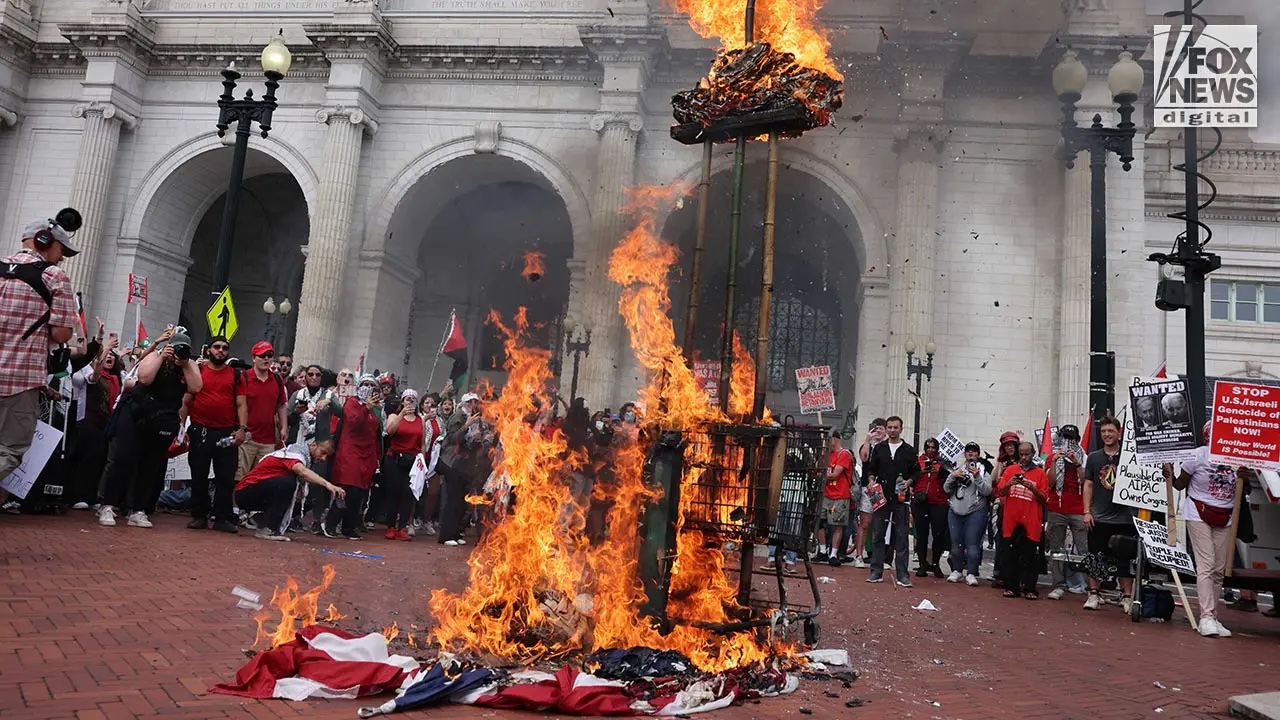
column 37, row 312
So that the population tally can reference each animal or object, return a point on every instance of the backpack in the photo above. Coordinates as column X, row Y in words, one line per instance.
column 32, row 274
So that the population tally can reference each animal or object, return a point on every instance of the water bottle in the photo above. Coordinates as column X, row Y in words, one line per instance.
column 901, row 487
column 226, row 442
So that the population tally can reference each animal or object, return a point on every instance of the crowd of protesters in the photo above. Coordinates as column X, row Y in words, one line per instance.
column 1054, row 512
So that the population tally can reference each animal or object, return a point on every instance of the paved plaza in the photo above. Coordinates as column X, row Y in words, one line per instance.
column 121, row 623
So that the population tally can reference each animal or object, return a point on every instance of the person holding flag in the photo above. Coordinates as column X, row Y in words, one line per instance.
column 1065, row 468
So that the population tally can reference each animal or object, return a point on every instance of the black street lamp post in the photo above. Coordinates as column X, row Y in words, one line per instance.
column 1124, row 81
column 242, row 113
column 276, row 316
column 578, row 348
column 919, row 372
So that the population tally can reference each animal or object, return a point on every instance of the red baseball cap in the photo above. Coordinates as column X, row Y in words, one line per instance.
column 262, row 347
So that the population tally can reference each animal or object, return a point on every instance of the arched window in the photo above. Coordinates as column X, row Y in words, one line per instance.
column 802, row 333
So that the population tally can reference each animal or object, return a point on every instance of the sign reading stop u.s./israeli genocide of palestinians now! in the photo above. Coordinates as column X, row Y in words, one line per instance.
column 816, row 388
column 1245, row 429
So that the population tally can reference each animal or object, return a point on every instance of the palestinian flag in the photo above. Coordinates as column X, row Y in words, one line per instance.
column 1046, row 439
column 142, row 334
column 84, row 327
column 455, row 346
column 1086, row 437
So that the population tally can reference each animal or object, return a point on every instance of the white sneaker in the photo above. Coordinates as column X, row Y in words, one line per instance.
column 1126, row 605
column 1222, row 631
column 1092, row 602
column 1057, row 593
column 1209, row 627
column 858, row 563
column 139, row 519
column 954, row 577
column 452, row 543
column 971, row 581
column 80, row 506
column 107, row 516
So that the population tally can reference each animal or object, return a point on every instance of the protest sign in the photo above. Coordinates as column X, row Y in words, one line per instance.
column 43, row 444
column 1137, row 485
column 1245, row 429
column 816, row 388
column 1153, row 541
column 1162, row 427
column 1053, row 437
column 707, row 374
column 950, row 446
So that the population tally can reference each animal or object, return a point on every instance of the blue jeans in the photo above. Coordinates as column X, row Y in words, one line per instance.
column 966, row 539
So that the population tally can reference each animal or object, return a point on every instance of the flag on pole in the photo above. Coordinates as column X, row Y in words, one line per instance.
column 1046, row 439
column 1087, row 435
column 360, row 366
column 455, row 346
column 142, row 334
column 1162, row 371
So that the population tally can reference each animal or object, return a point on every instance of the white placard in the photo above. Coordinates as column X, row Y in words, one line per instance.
column 950, row 446
column 179, row 469
column 1137, row 485
column 43, row 444
column 1167, row 556
column 816, row 389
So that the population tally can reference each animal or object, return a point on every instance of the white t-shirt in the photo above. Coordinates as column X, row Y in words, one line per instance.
column 1211, row 484
column 893, row 448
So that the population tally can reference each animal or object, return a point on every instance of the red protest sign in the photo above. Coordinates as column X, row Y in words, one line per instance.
column 1245, row 429
column 707, row 374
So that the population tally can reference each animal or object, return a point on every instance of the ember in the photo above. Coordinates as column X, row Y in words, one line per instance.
column 760, row 79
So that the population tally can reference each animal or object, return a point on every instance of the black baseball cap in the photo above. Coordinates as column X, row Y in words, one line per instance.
column 973, row 447
column 1070, row 432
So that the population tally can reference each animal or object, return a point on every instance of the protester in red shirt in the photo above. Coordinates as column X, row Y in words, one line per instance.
column 265, row 417
column 1023, row 490
column 836, row 497
column 1065, row 469
column 359, row 437
column 215, row 435
column 930, row 509
column 271, row 487
column 406, row 431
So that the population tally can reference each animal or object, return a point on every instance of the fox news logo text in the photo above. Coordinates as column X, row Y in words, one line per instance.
column 1209, row 80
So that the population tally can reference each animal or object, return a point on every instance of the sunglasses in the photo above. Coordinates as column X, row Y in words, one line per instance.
column 267, row 356
column 220, row 347
column 313, row 374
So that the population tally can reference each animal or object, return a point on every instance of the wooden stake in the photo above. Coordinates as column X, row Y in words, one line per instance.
column 1235, row 524
column 1171, row 522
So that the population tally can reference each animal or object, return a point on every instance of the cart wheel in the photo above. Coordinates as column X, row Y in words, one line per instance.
column 811, row 630
column 1135, row 612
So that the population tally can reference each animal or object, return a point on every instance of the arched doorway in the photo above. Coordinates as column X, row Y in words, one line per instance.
column 184, row 217
column 818, row 260
column 467, row 227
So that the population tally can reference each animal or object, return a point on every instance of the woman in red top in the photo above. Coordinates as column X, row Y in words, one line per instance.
column 406, row 431
column 1023, row 490
column 359, row 437
column 930, row 509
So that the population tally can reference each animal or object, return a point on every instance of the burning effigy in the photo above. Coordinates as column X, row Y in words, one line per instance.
column 656, row 612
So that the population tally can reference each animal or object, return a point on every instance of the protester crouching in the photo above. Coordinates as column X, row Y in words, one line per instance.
column 1023, row 491
column 968, row 490
column 271, row 487
column 143, row 427
column 1210, row 499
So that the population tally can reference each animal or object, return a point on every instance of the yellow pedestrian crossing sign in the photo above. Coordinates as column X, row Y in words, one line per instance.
column 222, row 316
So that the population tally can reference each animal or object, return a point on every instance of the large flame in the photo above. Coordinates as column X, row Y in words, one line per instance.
column 538, row 587
column 787, row 25
column 296, row 609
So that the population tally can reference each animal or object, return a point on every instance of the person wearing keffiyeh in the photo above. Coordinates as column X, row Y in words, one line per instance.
column 1065, row 505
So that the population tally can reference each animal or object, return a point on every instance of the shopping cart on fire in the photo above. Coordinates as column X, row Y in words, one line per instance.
column 748, row 485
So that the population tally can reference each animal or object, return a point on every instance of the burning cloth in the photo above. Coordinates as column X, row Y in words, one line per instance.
column 323, row 662
column 758, row 78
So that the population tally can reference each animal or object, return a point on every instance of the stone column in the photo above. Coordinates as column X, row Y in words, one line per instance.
column 91, row 186
column 322, row 280
column 598, row 310
column 911, row 258
column 1073, row 311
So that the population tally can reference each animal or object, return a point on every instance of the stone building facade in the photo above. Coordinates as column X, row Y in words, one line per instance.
column 423, row 146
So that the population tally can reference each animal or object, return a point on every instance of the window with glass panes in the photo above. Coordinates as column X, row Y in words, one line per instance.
column 1248, row 302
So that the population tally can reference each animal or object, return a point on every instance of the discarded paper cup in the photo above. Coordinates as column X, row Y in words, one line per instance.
column 245, row 593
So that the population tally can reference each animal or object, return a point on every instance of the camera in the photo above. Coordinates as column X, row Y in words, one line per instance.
column 182, row 352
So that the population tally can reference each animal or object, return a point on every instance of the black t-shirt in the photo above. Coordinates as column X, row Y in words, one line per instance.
column 1100, row 468
column 159, row 401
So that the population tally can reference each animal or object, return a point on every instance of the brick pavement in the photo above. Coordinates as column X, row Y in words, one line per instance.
column 115, row 623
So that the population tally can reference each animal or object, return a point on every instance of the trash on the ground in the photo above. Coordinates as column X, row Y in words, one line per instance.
column 826, row 580
column 350, row 553
column 935, row 703
column 246, row 605
column 829, row 656
column 1159, row 710
column 855, row 702
column 1159, row 685
column 925, row 606
column 245, row 593
column 805, row 711
column 936, row 661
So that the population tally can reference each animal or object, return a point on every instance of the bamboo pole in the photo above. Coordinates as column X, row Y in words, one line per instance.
column 766, row 281
column 1171, row 524
column 699, row 247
